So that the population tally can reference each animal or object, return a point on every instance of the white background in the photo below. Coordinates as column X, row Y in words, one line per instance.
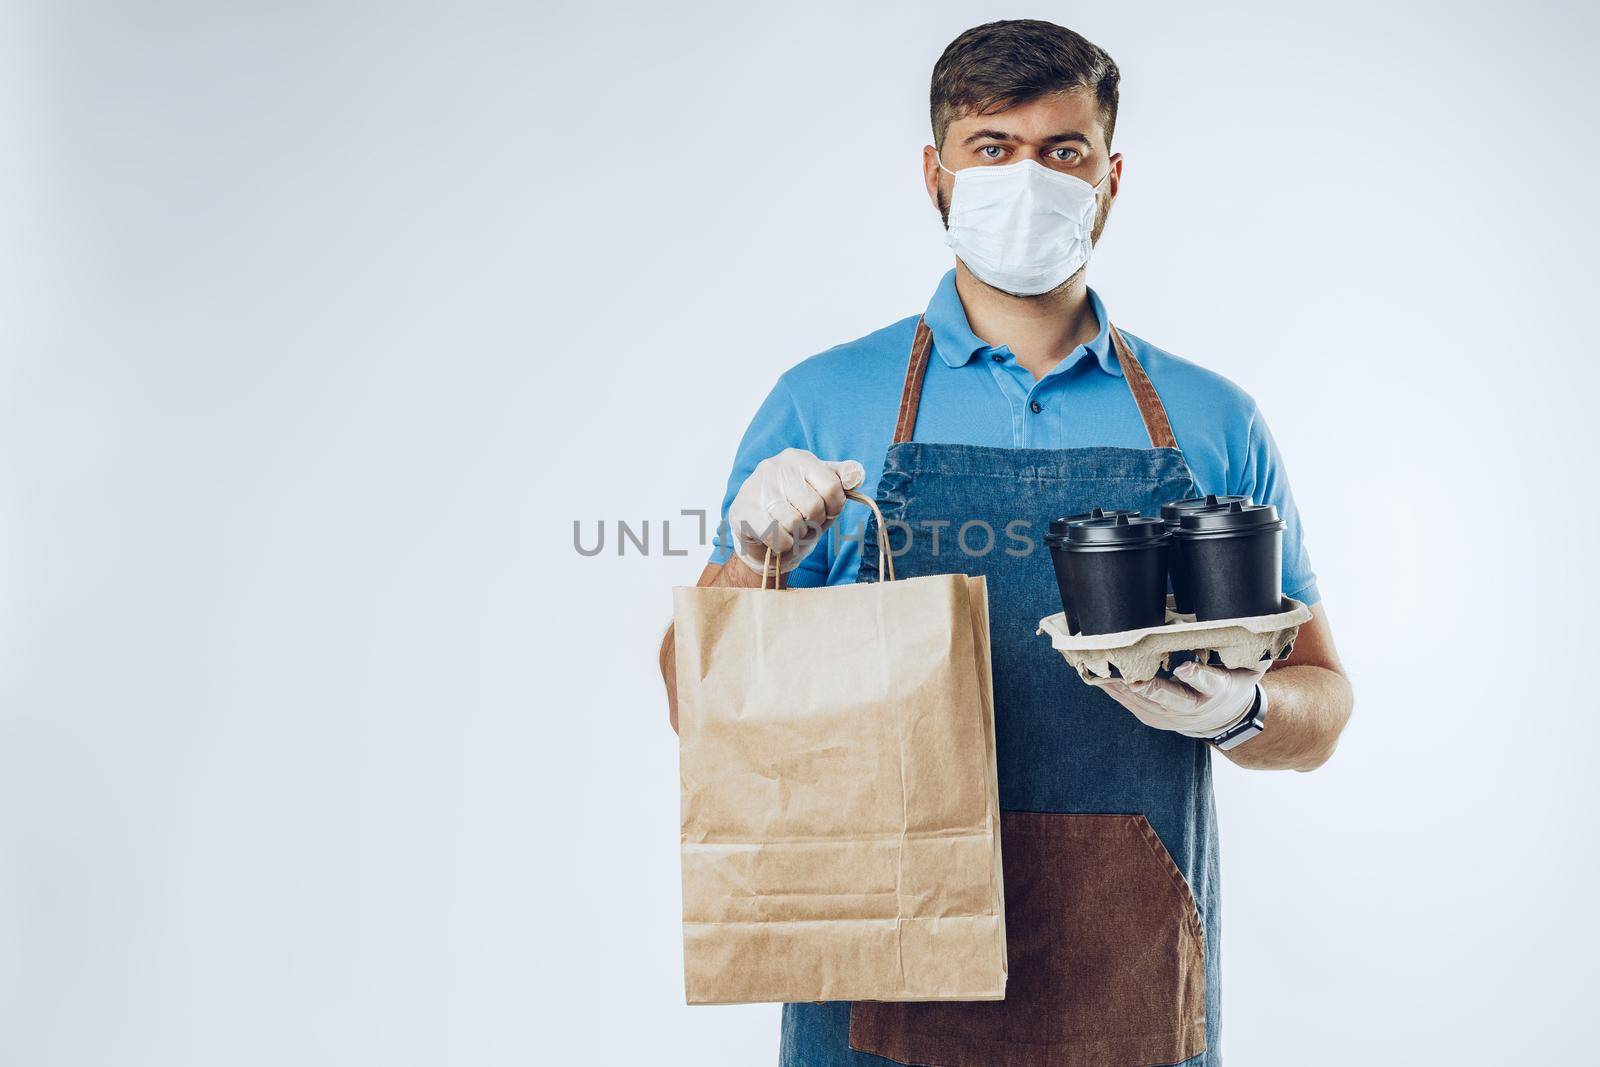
column 320, row 744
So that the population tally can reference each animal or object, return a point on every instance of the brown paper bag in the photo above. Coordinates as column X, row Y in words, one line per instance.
column 840, row 811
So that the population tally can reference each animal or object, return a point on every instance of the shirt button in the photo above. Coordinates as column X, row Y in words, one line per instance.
column 997, row 357
column 1036, row 407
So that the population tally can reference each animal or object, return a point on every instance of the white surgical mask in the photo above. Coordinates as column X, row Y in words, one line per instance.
column 1021, row 227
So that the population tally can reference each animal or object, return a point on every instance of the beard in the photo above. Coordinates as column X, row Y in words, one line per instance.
column 1102, row 209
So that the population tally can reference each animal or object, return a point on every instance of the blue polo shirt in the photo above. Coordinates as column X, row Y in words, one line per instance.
column 841, row 404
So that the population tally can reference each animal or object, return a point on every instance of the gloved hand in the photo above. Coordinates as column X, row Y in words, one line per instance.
column 1197, row 701
column 787, row 503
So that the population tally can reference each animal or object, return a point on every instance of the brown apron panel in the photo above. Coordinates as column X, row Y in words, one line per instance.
column 1106, row 951
column 1151, row 410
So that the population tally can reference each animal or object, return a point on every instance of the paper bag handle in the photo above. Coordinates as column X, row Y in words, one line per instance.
column 885, row 557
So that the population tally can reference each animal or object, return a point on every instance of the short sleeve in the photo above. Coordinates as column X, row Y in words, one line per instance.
column 1264, row 479
column 776, row 426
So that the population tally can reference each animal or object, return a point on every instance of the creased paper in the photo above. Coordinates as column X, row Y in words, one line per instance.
column 840, row 812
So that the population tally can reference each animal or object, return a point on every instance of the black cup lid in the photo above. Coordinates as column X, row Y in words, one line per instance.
column 1058, row 527
column 1178, row 508
column 1126, row 530
column 1236, row 517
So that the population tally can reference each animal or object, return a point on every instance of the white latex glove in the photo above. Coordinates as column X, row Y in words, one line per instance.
column 787, row 503
column 1197, row 701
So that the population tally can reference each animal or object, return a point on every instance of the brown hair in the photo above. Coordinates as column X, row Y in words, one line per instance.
column 999, row 65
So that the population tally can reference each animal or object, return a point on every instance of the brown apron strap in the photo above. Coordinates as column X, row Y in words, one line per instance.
column 1151, row 410
column 911, row 392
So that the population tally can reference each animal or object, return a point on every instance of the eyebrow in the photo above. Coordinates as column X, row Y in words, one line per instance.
column 989, row 135
column 1001, row 135
column 1067, row 135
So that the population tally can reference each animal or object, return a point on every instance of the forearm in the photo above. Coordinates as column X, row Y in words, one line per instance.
column 734, row 573
column 1307, row 708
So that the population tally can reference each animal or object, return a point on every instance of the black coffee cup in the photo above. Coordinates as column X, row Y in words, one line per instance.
column 1182, row 594
column 1058, row 527
column 1058, row 533
column 1232, row 558
column 1112, row 572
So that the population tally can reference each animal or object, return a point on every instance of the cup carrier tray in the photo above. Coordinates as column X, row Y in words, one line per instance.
column 1137, row 655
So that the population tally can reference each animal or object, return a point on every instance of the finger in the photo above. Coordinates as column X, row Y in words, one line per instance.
column 799, row 528
column 1128, row 696
column 1115, row 685
column 804, row 498
column 1155, row 718
column 1173, row 697
column 1150, row 686
column 758, row 537
column 786, row 528
column 1151, row 714
column 1207, row 681
column 851, row 474
column 825, row 480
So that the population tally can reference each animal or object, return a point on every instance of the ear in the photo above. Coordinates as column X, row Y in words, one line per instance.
column 1115, row 181
column 931, row 174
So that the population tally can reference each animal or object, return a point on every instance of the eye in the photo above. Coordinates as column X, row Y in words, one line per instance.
column 991, row 152
column 1065, row 154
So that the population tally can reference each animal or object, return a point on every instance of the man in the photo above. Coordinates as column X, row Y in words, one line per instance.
column 1015, row 397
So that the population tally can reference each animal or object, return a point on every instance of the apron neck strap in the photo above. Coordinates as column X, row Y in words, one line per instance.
column 1151, row 410
column 911, row 393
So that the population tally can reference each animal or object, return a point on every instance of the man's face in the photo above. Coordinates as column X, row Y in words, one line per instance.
column 1062, row 131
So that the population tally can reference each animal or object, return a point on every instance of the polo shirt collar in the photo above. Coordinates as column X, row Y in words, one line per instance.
column 956, row 344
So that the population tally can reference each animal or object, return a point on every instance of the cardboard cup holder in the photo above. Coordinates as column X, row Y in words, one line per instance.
column 1138, row 655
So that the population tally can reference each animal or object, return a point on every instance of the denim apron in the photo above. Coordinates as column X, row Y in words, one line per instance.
column 1108, row 829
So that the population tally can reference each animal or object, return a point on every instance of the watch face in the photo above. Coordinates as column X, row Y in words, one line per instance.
column 1241, row 733
column 1253, row 723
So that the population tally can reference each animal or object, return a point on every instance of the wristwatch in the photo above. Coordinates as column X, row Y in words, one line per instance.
column 1254, row 721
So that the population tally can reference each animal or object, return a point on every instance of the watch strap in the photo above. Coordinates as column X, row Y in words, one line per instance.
column 1254, row 721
